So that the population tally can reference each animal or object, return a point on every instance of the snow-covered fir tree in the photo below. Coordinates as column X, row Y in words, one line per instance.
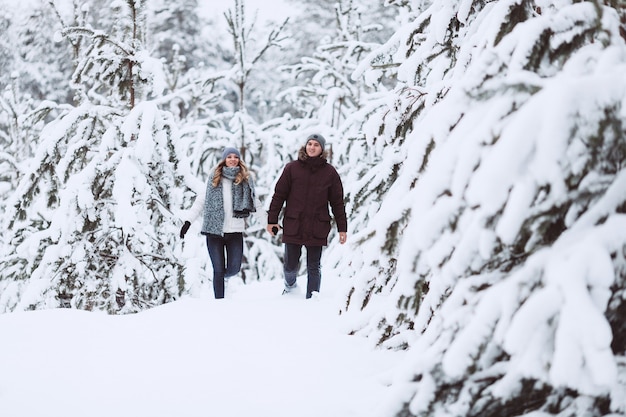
column 323, row 85
column 91, row 222
column 497, row 255
column 34, row 80
column 248, row 50
column 175, row 30
column 30, row 57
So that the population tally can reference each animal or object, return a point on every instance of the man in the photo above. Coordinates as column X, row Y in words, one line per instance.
column 307, row 187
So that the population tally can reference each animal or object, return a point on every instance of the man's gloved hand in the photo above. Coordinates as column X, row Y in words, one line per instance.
column 184, row 229
column 273, row 228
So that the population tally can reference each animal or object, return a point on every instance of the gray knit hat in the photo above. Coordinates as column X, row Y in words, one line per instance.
column 318, row 138
column 228, row 151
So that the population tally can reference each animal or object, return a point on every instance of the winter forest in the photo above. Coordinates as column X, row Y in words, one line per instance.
column 482, row 147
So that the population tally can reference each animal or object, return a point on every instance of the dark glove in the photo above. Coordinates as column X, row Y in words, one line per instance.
column 184, row 229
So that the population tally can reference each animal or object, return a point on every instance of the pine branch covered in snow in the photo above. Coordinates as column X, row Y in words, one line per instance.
column 496, row 255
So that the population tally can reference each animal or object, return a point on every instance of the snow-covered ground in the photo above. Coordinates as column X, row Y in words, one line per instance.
column 255, row 353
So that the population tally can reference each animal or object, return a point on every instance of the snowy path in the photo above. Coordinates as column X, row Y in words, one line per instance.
column 254, row 354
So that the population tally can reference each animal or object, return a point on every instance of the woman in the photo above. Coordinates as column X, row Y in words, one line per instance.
column 228, row 201
column 307, row 187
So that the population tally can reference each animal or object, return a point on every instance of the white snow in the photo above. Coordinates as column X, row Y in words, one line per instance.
column 254, row 353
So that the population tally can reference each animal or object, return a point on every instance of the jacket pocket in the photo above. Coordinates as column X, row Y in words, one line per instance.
column 321, row 227
column 291, row 224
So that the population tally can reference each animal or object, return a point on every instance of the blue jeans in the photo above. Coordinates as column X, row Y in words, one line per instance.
column 226, row 253
column 313, row 267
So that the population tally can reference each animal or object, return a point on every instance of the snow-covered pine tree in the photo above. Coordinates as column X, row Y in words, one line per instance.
column 247, row 52
column 90, row 225
column 498, row 257
column 30, row 57
column 33, row 80
column 175, row 33
column 195, row 66
column 193, row 51
column 323, row 85
column 20, row 125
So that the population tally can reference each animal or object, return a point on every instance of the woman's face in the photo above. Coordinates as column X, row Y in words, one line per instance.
column 313, row 148
column 232, row 160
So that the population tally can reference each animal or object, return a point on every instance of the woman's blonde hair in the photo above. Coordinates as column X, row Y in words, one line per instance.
column 242, row 175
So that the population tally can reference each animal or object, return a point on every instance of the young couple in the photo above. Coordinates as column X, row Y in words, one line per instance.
column 306, row 187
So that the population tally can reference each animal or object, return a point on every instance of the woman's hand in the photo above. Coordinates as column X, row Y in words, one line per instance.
column 184, row 229
column 343, row 236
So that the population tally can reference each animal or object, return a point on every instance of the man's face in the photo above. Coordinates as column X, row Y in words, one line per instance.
column 313, row 148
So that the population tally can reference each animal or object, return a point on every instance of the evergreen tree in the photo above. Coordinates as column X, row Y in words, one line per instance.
column 495, row 256
column 34, row 84
column 91, row 222
column 31, row 57
column 175, row 33
column 192, row 51
column 325, row 88
column 20, row 125
column 247, row 53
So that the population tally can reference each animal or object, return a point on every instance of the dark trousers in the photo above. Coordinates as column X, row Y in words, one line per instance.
column 226, row 253
column 313, row 268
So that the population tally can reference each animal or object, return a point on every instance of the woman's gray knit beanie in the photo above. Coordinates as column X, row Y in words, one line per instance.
column 228, row 151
